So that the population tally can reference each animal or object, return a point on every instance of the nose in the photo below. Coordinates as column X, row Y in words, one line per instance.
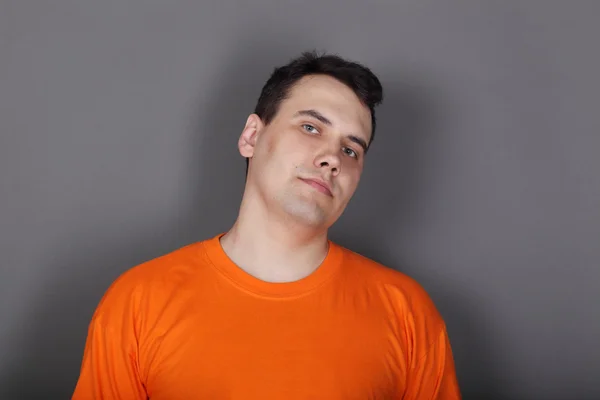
column 329, row 159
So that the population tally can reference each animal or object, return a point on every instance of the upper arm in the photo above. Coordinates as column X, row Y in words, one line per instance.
column 110, row 365
column 433, row 375
column 109, row 369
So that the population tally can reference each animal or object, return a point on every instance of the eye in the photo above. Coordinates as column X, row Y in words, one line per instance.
column 350, row 152
column 310, row 129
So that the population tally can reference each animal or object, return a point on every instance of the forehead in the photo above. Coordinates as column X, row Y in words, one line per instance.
column 332, row 98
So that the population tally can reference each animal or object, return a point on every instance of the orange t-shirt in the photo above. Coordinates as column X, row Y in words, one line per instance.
column 193, row 325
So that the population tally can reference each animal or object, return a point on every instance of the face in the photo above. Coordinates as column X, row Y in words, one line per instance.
column 308, row 161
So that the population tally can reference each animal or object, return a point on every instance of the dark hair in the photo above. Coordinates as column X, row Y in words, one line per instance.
column 357, row 77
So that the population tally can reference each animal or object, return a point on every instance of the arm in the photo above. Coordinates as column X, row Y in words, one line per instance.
column 110, row 367
column 433, row 376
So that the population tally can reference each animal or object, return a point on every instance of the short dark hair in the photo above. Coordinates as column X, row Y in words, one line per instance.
column 357, row 77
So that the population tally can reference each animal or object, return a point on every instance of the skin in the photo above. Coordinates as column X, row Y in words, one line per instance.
column 317, row 139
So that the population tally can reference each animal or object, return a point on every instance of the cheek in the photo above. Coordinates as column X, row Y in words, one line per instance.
column 281, row 144
column 349, row 180
column 269, row 144
column 352, row 168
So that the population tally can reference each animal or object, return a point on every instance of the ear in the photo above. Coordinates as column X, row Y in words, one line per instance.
column 247, row 141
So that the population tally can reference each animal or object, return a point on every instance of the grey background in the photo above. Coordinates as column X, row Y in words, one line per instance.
column 119, row 122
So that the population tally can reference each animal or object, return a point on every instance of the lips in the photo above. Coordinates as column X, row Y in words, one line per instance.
column 319, row 185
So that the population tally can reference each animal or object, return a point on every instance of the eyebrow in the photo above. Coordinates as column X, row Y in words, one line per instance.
column 315, row 114
column 320, row 117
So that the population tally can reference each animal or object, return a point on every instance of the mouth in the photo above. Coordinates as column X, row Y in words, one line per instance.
column 319, row 185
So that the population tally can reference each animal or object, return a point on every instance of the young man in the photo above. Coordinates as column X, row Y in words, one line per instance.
column 272, row 309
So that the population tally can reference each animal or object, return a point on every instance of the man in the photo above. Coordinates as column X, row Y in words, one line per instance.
column 272, row 309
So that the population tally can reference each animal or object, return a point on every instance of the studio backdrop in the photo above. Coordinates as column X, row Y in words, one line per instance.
column 119, row 123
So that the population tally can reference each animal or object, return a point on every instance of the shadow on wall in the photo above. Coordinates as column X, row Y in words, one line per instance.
column 52, row 340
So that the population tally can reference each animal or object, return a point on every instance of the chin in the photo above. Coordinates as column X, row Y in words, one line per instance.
column 306, row 212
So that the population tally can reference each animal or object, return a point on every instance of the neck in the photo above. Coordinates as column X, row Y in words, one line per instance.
column 273, row 248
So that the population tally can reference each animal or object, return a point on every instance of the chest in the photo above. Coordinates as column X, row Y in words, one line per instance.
column 276, row 351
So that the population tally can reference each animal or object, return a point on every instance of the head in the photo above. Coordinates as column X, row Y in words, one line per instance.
column 306, row 141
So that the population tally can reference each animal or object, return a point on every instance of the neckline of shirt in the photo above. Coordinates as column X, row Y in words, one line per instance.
column 221, row 261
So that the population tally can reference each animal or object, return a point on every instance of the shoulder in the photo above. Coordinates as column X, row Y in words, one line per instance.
column 404, row 293
column 415, row 317
column 151, row 281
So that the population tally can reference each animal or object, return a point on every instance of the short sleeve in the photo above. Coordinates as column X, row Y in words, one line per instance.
column 433, row 376
column 110, row 369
